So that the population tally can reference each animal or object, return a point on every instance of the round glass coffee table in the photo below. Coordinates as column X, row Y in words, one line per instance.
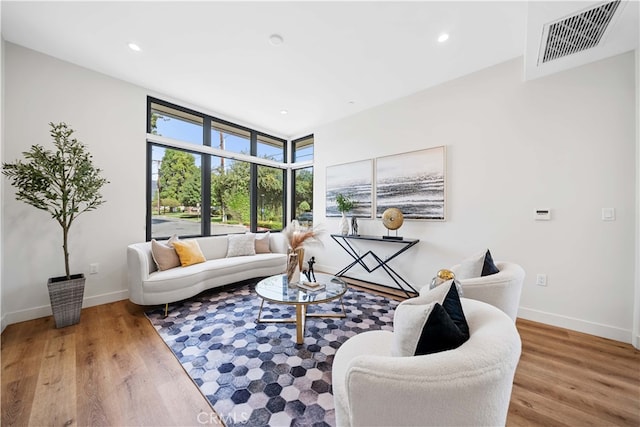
column 276, row 289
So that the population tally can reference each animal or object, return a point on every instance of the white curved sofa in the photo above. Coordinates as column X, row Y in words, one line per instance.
column 148, row 286
column 469, row 385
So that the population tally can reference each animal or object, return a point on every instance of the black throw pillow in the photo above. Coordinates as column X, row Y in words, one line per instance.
column 446, row 327
column 489, row 267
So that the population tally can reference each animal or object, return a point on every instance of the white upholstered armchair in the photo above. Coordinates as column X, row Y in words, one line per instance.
column 501, row 290
column 470, row 385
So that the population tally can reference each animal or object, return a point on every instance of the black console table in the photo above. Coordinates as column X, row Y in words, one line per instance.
column 344, row 240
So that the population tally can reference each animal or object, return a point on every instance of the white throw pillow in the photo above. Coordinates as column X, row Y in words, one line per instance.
column 164, row 254
column 409, row 320
column 241, row 245
column 471, row 267
column 436, row 294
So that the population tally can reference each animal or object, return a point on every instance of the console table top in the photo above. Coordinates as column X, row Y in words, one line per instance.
column 375, row 238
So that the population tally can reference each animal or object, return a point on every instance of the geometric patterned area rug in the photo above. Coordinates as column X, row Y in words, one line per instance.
column 254, row 374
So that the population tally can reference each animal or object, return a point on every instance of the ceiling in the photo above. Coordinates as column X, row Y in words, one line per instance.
column 337, row 58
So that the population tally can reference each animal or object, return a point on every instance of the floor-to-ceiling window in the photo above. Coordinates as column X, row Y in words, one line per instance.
column 206, row 176
column 302, row 205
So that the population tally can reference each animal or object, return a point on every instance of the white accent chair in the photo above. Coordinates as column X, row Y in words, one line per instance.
column 470, row 385
column 501, row 290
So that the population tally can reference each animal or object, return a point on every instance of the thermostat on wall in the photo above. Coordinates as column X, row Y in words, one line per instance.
column 542, row 214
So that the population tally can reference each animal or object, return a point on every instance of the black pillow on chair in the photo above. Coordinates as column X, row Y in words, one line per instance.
column 429, row 323
column 446, row 327
column 477, row 265
column 488, row 267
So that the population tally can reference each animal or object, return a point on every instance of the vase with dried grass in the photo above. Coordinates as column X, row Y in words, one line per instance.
column 298, row 237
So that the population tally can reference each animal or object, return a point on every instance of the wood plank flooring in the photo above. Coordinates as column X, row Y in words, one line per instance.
column 112, row 369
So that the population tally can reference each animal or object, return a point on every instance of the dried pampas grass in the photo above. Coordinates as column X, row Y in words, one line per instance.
column 299, row 236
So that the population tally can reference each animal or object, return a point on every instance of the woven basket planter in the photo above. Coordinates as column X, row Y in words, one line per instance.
column 66, row 299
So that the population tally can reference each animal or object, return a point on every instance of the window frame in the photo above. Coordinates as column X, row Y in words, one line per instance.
column 297, row 166
column 206, row 151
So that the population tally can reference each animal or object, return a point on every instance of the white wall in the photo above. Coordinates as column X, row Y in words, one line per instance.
column 109, row 117
column 636, row 312
column 564, row 142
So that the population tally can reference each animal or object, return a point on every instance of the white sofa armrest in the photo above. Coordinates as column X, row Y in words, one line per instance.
column 140, row 265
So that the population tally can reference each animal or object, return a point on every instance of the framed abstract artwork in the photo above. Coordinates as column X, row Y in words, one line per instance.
column 413, row 182
column 353, row 180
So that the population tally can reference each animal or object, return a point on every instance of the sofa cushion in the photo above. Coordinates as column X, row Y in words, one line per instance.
column 214, row 247
column 430, row 323
column 189, row 252
column 262, row 243
column 241, row 245
column 164, row 254
column 477, row 265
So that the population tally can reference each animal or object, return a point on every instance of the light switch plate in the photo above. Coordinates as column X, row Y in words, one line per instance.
column 542, row 214
column 608, row 214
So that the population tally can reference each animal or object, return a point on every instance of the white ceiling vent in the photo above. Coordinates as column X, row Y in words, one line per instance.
column 577, row 32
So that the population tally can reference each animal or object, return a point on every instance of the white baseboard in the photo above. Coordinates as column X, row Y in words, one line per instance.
column 105, row 298
column 45, row 310
column 580, row 325
column 605, row 331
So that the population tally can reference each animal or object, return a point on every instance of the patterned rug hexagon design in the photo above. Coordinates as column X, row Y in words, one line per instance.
column 254, row 374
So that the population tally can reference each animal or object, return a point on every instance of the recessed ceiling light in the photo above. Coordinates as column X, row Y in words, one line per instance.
column 134, row 47
column 276, row 39
column 443, row 37
column 284, row 112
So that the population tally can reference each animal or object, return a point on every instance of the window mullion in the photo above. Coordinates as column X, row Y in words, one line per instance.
column 149, row 196
column 205, row 184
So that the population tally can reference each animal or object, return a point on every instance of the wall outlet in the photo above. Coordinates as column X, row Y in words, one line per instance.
column 541, row 280
column 93, row 268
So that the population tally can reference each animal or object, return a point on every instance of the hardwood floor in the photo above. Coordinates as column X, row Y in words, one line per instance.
column 574, row 379
column 113, row 369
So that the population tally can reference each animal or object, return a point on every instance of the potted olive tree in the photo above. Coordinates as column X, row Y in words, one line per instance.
column 65, row 183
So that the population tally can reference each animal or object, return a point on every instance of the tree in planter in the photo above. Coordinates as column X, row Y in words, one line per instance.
column 63, row 182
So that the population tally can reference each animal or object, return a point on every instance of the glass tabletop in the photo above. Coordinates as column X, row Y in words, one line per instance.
column 276, row 289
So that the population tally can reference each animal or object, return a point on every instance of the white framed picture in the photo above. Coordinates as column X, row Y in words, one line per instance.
column 413, row 182
column 353, row 180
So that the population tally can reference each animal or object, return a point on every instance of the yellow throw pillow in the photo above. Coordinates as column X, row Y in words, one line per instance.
column 189, row 252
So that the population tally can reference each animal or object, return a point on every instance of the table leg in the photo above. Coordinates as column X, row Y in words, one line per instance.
column 301, row 315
